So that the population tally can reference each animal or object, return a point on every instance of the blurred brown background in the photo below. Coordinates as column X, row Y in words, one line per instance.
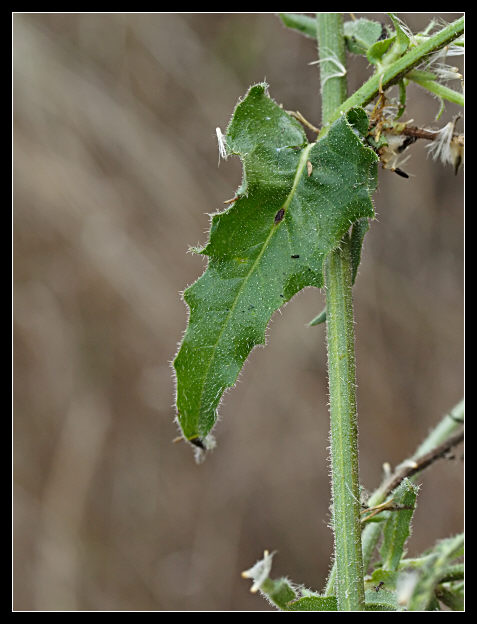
column 115, row 168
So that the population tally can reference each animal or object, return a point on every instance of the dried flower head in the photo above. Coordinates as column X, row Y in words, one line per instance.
column 446, row 72
column 448, row 147
column 260, row 571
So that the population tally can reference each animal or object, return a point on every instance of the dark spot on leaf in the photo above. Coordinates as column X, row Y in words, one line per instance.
column 295, row 256
column 279, row 215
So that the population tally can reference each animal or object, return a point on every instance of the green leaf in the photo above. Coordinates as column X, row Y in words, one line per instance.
column 357, row 236
column 380, row 591
column 361, row 34
column 402, row 99
column 313, row 603
column 398, row 525
column 452, row 599
column 376, row 52
column 401, row 43
column 448, row 549
column 295, row 203
column 382, row 600
column 382, row 53
column 422, row 596
column 319, row 318
column 303, row 23
column 278, row 592
column 281, row 593
column 384, row 578
column 379, row 606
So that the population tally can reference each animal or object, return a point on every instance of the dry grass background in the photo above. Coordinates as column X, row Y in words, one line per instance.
column 115, row 168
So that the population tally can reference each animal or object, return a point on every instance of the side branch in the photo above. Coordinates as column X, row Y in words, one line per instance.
column 413, row 466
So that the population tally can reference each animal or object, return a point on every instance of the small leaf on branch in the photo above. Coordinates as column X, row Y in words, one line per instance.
column 361, row 34
column 398, row 525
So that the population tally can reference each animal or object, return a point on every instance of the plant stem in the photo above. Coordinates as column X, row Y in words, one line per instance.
column 397, row 70
column 346, row 576
column 341, row 357
column 344, row 434
column 332, row 58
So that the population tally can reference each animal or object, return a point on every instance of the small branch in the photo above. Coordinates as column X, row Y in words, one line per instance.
column 370, row 512
column 299, row 117
column 419, row 133
column 413, row 466
column 438, row 89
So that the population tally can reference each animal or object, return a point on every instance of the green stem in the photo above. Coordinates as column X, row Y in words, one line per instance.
column 332, row 57
column 397, row 70
column 437, row 89
column 346, row 576
column 341, row 357
column 344, row 433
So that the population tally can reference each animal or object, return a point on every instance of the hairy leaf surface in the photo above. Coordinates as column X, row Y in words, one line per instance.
column 295, row 203
column 398, row 525
column 442, row 555
column 361, row 34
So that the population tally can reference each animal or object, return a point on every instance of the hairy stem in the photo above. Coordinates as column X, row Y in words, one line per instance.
column 437, row 89
column 344, row 433
column 341, row 357
column 332, row 59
